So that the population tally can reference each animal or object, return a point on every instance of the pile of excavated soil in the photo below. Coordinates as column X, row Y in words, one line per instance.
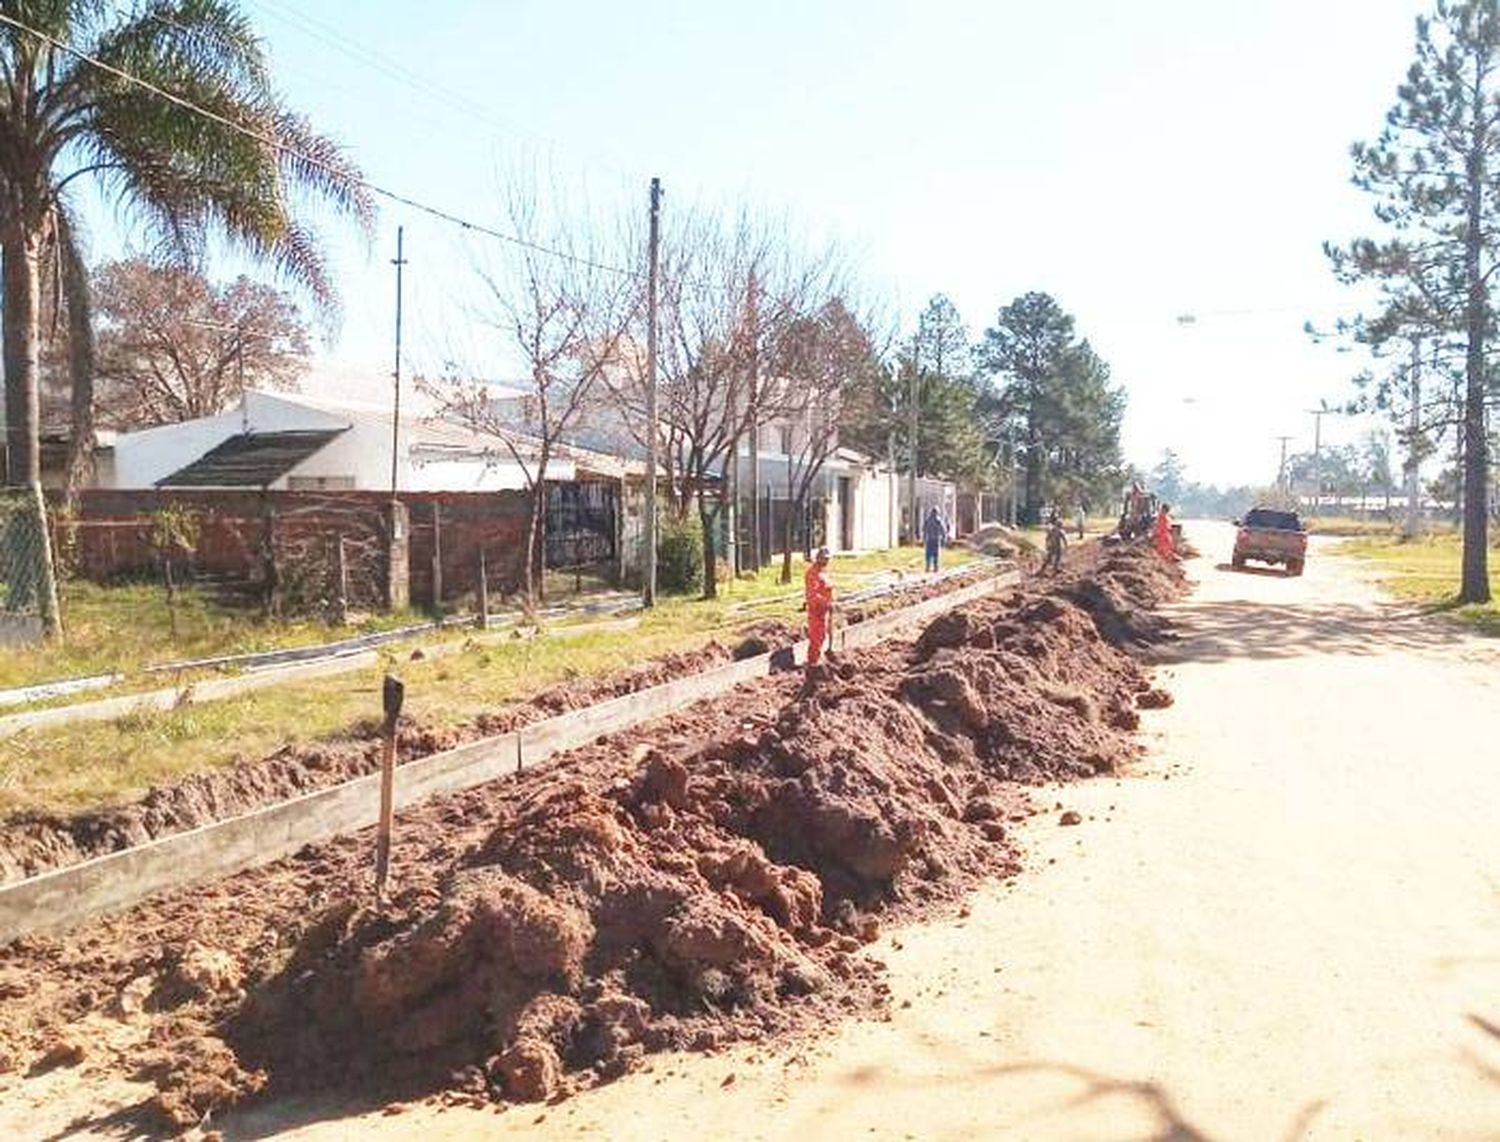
column 35, row 842
column 32, row 842
column 708, row 878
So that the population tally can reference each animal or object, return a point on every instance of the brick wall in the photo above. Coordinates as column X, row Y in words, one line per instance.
column 255, row 541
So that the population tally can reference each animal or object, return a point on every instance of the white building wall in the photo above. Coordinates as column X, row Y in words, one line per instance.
column 871, row 490
column 358, row 458
column 874, row 517
column 142, row 458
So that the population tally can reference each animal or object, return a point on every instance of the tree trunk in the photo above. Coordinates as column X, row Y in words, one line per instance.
column 1474, row 586
column 710, row 556
column 80, row 303
column 529, row 579
column 790, row 539
column 1031, row 509
column 22, row 375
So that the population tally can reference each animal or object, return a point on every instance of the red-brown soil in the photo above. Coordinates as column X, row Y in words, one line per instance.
column 35, row 842
column 707, row 878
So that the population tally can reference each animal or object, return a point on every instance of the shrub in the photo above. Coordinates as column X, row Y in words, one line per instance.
column 679, row 556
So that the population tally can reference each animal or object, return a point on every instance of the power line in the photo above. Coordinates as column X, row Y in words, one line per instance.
column 369, row 57
column 320, row 164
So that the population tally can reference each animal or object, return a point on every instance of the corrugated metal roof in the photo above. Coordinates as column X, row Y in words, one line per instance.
column 250, row 460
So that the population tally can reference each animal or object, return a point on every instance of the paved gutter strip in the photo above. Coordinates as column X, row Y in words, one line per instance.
column 68, row 896
column 43, row 691
column 260, row 659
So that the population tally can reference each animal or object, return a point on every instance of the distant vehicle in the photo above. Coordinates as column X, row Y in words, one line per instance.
column 1270, row 535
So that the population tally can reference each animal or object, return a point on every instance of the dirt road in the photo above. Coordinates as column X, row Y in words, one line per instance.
column 1286, row 924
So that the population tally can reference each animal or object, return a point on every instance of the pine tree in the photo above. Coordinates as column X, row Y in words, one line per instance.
column 1435, row 174
column 1052, row 398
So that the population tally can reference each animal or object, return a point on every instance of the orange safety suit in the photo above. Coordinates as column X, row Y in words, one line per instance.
column 819, row 597
column 1164, row 545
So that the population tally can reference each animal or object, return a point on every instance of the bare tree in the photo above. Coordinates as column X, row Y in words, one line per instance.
column 173, row 346
column 818, row 362
column 728, row 294
column 563, row 312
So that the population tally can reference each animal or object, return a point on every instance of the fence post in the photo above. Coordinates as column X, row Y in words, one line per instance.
column 271, row 602
column 437, row 558
column 484, row 593
column 47, row 587
column 397, row 537
column 341, row 586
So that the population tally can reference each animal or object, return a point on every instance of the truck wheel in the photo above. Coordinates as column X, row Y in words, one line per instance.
column 1294, row 567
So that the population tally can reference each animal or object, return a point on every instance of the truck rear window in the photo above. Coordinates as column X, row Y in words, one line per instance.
column 1278, row 521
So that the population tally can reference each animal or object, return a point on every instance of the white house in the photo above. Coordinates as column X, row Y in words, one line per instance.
column 314, row 442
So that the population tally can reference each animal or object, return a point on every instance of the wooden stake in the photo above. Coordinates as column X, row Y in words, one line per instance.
column 392, row 695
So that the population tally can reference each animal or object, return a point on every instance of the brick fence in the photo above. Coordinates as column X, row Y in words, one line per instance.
column 287, row 544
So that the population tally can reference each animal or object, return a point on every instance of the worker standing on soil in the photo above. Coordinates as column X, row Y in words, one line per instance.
column 934, row 532
column 1057, row 541
column 1163, row 538
column 818, row 594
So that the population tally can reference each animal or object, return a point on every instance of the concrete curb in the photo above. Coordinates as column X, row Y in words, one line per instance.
column 67, row 896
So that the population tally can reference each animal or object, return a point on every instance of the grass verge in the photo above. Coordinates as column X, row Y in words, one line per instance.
column 126, row 628
column 1425, row 570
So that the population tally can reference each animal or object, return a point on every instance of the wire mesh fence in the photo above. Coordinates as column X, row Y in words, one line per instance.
column 28, row 594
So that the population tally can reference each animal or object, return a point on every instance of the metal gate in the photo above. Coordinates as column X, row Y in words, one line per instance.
column 581, row 525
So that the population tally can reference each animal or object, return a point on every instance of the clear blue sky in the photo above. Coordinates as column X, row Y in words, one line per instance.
column 1139, row 161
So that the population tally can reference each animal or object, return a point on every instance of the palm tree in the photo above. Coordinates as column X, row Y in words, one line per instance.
column 245, row 173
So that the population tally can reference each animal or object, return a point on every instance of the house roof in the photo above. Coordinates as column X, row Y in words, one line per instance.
column 250, row 460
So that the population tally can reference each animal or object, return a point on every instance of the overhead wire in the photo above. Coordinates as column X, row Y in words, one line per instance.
column 342, row 176
column 362, row 53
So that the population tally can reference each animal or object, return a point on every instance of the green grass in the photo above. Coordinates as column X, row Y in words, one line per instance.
column 84, row 766
column 126, row 628
column 1345, row 528
column 1425, row 570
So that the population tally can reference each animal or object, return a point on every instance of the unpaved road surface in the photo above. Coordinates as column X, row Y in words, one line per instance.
column 1285, row 924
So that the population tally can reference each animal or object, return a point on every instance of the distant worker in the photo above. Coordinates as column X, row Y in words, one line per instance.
column 1082, row 518
column 818, row 594
column 1057, row 542
column 1163, row 536
column 934, row 533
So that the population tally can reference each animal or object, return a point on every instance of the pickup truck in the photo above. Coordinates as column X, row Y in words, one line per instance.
column 1270, row 535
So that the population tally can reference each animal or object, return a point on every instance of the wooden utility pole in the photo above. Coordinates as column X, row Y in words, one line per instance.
column 752, row 304
column 648, row 593
column 399, row 262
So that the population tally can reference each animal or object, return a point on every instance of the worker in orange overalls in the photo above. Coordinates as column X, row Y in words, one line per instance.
column 818, row 594
column 1163, row 538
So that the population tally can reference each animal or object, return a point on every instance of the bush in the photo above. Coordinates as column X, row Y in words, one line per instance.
column 679, row 556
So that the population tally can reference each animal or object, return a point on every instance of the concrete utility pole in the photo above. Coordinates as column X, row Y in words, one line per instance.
column 1317, row 415
column 648, row 584
column 1414, row 429
column 399, row 262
